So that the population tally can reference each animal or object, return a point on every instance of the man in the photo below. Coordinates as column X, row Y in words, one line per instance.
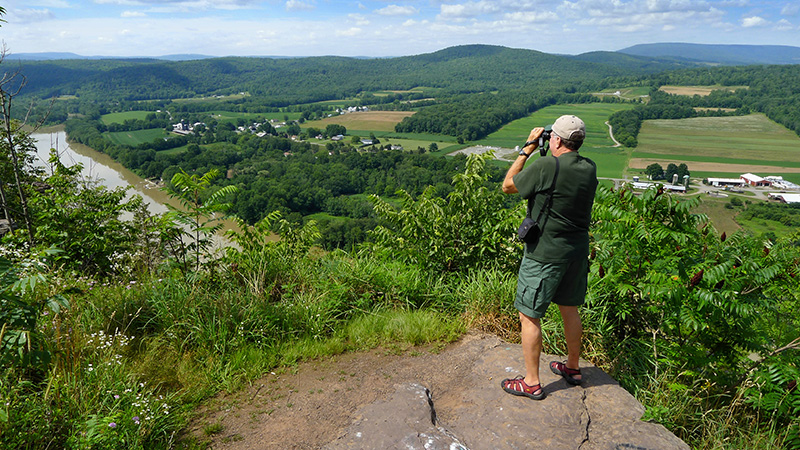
column 554, row 269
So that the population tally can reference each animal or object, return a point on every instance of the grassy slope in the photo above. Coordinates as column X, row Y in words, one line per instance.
column 121, row 117
column 135, row 137
column 749, row 141
column 599, row 147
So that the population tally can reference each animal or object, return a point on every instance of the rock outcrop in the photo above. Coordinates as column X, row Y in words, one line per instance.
column 598, row 415
column 442, row 399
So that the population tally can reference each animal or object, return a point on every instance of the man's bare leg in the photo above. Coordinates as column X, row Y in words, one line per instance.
column 573, row 330
column 531, row 348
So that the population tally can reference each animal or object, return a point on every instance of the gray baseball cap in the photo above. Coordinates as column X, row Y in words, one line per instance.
column 570, row 127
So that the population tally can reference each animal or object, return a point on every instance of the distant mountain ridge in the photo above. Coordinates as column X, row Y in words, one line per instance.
column 53, row 56
column 648, row 57
column 718, row 54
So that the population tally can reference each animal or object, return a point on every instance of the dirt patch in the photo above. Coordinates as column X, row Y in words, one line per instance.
column 642, row 163
column 307, row 406
column 697, row 90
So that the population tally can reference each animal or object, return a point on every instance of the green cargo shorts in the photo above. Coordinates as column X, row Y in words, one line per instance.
column 539, row 284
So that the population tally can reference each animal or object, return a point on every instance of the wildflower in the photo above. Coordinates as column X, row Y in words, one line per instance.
column 116, row 396
column 113, row 425
column 136, row 420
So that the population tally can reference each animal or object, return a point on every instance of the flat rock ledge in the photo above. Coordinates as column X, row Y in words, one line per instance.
column 598, row 415
column 420, row 399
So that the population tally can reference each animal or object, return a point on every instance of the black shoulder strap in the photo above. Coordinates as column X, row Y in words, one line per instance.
column 548, row 202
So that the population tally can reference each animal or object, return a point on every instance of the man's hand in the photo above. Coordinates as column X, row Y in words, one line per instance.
column 516, row 167
column 533, row 137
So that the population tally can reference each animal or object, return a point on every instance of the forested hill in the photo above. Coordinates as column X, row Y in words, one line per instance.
column 461, row 69
column 718, row 54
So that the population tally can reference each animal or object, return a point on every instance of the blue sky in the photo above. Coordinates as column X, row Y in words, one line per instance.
column 384, row 28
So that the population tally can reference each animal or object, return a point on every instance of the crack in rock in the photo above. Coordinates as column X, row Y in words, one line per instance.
column 588, row 419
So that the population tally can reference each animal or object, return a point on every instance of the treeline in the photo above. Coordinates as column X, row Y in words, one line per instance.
column 786, row 214
column 473, row 117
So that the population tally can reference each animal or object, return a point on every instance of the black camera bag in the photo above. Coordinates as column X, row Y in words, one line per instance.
column 530, row 230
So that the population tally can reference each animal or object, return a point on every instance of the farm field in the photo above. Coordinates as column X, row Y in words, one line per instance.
column 120, row 117
column 720, row 146
column 367, row 120
column 611, row 161
column 135, row 137
column 698, row 90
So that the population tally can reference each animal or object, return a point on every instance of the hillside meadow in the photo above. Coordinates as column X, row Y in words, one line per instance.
column 611, row 161
column 363, row 120
column 120, row 117
column 699, row 90
column 137, row 137
column 720, row 146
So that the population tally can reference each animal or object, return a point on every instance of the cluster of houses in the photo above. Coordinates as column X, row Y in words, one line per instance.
column 352, row 109
column 185, row 128
column 188, row 128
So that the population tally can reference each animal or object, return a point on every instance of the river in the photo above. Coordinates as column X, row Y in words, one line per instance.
column 111, row 174
column 100, row 167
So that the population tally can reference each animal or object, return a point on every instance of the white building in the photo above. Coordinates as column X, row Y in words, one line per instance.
column 726, row 182
column 785, row 198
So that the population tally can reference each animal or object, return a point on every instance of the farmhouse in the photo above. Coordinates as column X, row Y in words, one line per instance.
column 754, row 180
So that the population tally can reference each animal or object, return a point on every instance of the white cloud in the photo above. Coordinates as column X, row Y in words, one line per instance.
column 359, row 19
column 50, row 3
column 784, row 25
column 395, row 10
column 349, row 32
column 182, row 5
column 132, row 14
column 297, row 5
column 791, row 9
column 469, row 9
column 29, row 15
column 754, row 21
column 530, row 17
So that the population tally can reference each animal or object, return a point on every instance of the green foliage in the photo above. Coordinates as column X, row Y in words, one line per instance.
column 264, row 262
column 468, row 229
column 654, row 171
column 21, row 342
column 201, row 203
column 668, row 296
column 786, row 214
column 83, row 218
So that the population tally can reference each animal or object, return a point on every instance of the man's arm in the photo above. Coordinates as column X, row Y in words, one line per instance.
column 519, row 163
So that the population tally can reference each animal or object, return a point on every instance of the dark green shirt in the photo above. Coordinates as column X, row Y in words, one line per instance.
column 566, row 228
